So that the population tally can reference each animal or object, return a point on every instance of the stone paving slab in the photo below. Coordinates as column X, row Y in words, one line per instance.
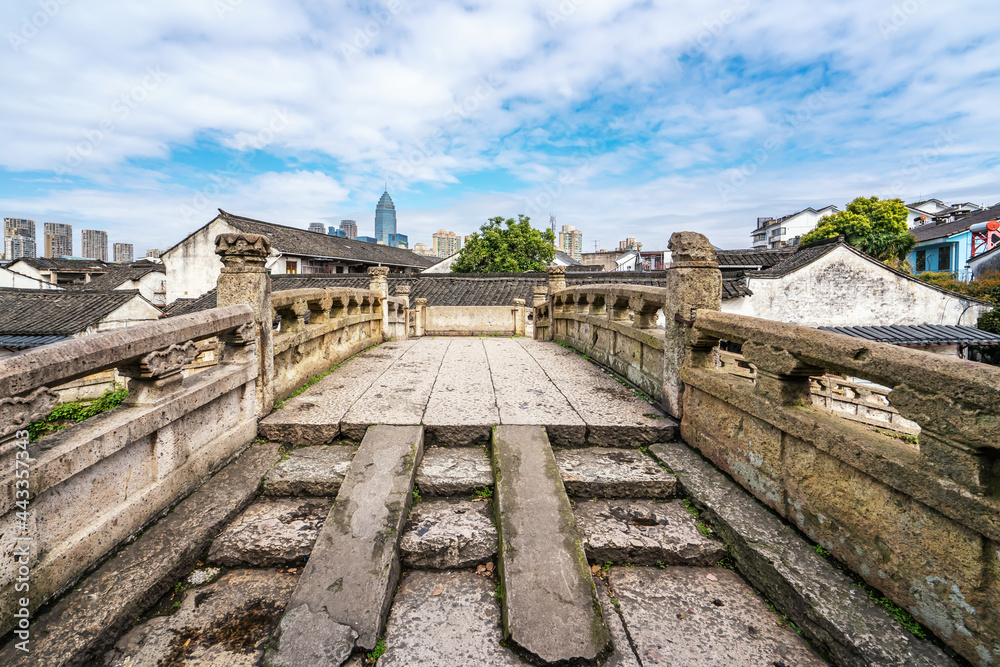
column 454, row 471
column 604, row 472
column 549, row 600
column 462, row 406
column 703, row 616
column 448, row 534
column 834, row 613
column 310, row 471
column 314, row 417
column 400, row 394
column 643, row 532
column 271, row 532
column 526, row 395
column 623, row 655
column 446, row 619
column 222, row 624
column 615, row 416
column 345, row 591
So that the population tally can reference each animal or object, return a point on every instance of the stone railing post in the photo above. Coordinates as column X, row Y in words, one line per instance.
column 158, row 373
column 694, row 282
column 418, row 320
column 780, row 377
column 380, row 285
column 557, row 282
column 403, row 292
column 244, row 279
column 539, row 295
column 520, row 321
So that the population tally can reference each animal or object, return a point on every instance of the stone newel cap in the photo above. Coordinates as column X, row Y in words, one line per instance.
column 375, row 271
column 690, row 249
column 402, row 289
column 556, row 270
column 247, row 245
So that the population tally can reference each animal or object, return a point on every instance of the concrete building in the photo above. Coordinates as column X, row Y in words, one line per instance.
column 424, row 249
column 19, row 238
column 58, row 240
column 350, row 229
column 787, row 230
column 124, row 253
column 59, row 271
column 571, row 242
column 952, row 238
column 95, row 244
column 193, row 267
column 385, row 219
column 153, row 253
column 445, row 243
column 317, row 227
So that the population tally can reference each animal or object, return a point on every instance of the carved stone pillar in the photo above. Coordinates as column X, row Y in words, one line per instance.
column 158, row 373
column 539, row 295
column 244, row 279
column 418, row 320
column 403, row 292
column 380, row 285
column 693, row 282
column 557, row 278
column 520, row 321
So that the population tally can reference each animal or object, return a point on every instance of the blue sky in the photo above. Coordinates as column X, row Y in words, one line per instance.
column 620, row 118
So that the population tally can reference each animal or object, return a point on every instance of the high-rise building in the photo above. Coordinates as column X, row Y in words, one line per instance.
column 385, row 218
column 124, row 253
column 399, row 241
column 571, row 242
column 58, row 240
column 19, row 238
column 317, row 227
column 446, row 243
column 350, row 229
column 333, row 231
column 154, row 253
column 95, row 244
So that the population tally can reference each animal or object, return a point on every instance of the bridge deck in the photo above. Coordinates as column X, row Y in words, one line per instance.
column 459, row 387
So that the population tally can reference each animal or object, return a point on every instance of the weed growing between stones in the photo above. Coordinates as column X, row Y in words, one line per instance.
column 692, row 510
column 316, row 378
column 67, row 414
column 485, row 493
column 416, row 496
column 820, row 550
column 377, row 652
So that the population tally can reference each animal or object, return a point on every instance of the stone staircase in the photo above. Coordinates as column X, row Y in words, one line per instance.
column 511, row 553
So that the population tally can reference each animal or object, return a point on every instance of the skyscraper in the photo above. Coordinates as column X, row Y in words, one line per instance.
column 123, row 253
column 19, row 238
column 317, row 227
column 58, row 239
column 385, row 219
column 95, row 244
column 571, row 242
column 446, row 243
column 350, row 228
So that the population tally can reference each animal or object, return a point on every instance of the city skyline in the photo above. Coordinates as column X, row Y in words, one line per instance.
column 641, row 117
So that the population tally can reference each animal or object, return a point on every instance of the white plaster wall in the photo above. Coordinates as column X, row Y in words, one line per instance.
column 844, row 289
column 14, row 279
column 192, row 266
column 135, row 311
column 150, row 286
column 25, row 269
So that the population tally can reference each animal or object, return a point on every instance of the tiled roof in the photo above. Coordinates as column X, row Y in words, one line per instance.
column 928, row 232
column 118, row 274
column 25, row 342
column 734, row 289
column 302, row 242
column 187, row 306
column 802, row 256
column 56, row 313
column 60, row 264
column 752, row 257
column 923, row 334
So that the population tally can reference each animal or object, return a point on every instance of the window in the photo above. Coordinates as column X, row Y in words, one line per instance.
column 944, row 258
column 291, row 267
column 921, row 260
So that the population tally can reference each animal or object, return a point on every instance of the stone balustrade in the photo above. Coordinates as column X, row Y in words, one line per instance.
column 93, row 485
column 469, row 320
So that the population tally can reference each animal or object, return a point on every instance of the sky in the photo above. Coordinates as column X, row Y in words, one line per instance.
column 623, row 119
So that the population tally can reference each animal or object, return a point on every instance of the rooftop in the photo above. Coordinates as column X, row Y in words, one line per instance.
column 936, row 231
column 56, row 313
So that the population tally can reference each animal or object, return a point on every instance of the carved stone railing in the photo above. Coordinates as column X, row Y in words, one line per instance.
column 921, row 522
column 469, row 320
column 93, row 485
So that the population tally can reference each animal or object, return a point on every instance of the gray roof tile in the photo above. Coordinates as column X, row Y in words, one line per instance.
column 56, row 313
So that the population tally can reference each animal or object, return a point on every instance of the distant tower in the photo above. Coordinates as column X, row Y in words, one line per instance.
column 95, row 244
column 19, row 238
column 571, row 242
column 350, row 229
column 552, row 224
column 124, row 253
column 317, row 227
column 385, row 219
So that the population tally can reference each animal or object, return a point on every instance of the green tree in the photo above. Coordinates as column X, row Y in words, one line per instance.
column 495, row 249
column 873, row 226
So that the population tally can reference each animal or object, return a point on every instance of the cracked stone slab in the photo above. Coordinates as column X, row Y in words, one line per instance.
column 445, row 619
column 643, row 532
column 343, row 596
column 310, row 471
column 399, row 396
column 615, row 416
column 526, row 395
column 604, row 472
column 550, row 608
column 222, row 624
column 271, row 532
column 315, row 417
column 448, row 534
column 623, row 655
column 462, row 405
column 703, row 616
column 454, row 471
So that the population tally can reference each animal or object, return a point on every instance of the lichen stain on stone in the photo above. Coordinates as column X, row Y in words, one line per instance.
column 941, row 606
column 242, row 631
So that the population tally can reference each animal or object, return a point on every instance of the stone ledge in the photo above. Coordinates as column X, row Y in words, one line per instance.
column 832, row 611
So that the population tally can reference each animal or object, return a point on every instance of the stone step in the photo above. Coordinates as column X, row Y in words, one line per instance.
column 604, row 472
column 549, row 604
column 703, row 616
column 227, row 622
column 643, row 532
column 448, row 534
column 271, row 532
column 310, row 471
column 454, row 471
column 343, row 597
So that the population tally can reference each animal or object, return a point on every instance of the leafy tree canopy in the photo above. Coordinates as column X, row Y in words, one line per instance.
column 873, row 226
column 506, row 246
